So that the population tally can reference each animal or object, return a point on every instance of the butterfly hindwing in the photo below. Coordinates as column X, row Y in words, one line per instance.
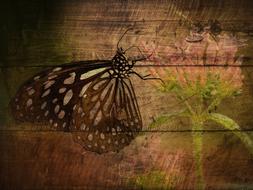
column 49, row 97
column 107, row 118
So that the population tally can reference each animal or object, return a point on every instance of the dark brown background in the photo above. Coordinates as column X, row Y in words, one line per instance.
column 47, row 33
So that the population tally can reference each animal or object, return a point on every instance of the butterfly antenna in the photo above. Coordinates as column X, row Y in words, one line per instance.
column 131, row 28
column 156, row 44
column 138, row 59
column 133, row 47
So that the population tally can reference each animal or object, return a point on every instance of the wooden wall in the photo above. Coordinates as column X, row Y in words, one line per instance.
column 40, row 33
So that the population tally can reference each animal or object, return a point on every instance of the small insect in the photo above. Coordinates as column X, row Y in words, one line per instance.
column 95, row 100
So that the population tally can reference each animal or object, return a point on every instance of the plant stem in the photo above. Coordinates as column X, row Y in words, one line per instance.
column 186, row 103
column 197, row 153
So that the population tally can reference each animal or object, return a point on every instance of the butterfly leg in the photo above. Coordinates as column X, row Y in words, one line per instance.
column 146, row 77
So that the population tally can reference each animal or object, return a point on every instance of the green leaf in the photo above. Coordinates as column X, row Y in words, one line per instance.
column 153, row 180
column 160, row 120
column 230, row 124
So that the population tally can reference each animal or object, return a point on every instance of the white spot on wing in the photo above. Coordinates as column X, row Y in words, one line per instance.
column 36, row 78
column 71, row 79
column 67, row 97
column 113, row 132
column 98, row 118
column 83, row 126
column 48, row 84
column 61, row 114
column 44, row 104
column 90, row 137
column 105, row 75
column 31, row 92
column 80, row 110
column 29, row 102
column 105, row 92
column 94, row 98
column 52, row 77
column 94, row 110
column 56, row 109
column 118, row 128
column 110, row 96
column 57, row 69
column 46, row 113
column 45, row 93
column 85, row 87
column 90, row 73
column 99, row 84
column 61, row 90
column 102, row 136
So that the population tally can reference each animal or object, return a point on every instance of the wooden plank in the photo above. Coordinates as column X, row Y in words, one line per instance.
column 44, row 33
column 53, row 161
column 65, row 43
column 150, row 99
column 74, row 30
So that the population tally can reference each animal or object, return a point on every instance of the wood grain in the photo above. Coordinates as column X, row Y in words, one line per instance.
column 53, row 161
column 45, row 33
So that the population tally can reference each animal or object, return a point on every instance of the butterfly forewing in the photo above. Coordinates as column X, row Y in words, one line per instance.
column 49, row 97
column 107, row 118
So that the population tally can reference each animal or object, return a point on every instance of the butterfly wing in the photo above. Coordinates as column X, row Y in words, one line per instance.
column 101, row 111
column 49, row 97
column 107, row 118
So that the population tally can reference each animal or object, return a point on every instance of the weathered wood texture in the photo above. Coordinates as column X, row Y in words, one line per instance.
column 43, row 33
column 53, row 161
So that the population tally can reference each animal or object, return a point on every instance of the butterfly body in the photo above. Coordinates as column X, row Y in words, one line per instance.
column 121, row 66
column 94, row 100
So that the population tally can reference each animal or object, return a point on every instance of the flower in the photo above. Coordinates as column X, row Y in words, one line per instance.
column 188, row 62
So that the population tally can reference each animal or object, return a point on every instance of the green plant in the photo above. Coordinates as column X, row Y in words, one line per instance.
column 200, row 108
column 200, row 90
column 153, row 180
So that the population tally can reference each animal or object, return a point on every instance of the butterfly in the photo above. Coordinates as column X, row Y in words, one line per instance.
column 95, row 100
